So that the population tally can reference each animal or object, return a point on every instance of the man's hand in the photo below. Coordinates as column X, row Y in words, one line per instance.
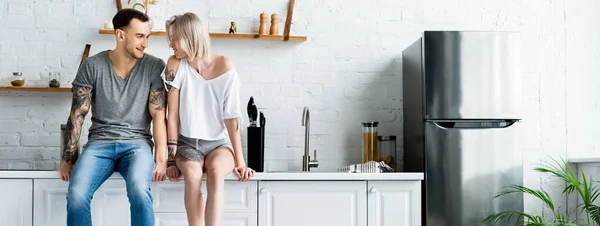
column 160, row 170
column 65, row 170
column 173, row 173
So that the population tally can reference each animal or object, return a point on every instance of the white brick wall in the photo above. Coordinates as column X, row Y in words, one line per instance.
column 347, row 72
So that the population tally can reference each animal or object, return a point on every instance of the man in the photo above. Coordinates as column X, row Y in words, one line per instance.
column 125, row 91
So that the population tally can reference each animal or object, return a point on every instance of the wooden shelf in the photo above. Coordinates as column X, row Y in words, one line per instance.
column 227, row 35
column 36, row 89
column 256, row 36
column 109, row 32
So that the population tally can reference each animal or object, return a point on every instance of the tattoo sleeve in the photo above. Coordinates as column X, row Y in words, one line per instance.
column 80, row 106
column 158, row 98
column 169, row 76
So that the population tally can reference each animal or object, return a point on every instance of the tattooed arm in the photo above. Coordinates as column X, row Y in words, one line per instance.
column 80, row 106
column 173, row 116
column 173, row 107
column 172, row 133
column 173, row 122
column 157, row 109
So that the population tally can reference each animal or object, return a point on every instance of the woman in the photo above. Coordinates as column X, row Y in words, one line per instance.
column 204, row 117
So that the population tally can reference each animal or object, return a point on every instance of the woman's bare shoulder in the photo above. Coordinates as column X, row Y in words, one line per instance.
column 223, row 63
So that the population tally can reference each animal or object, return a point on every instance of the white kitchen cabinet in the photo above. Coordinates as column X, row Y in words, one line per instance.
column 240, row 203
column 17, row 203
column 394, row 203
column 316, row 199
column 229, row 219
column 315, row 203
column 240, row 197
column 109, row 207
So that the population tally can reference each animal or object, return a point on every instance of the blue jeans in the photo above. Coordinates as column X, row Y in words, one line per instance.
column 96, row 164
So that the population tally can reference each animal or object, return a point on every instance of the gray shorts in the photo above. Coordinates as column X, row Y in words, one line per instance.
column 196, row 149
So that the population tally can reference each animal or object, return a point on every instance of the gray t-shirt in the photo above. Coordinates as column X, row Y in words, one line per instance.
column 120, row 106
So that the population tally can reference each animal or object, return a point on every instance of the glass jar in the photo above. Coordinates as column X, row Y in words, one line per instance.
column 54, row 79
column 370, row 149
column 387, row 150
column 17, row 79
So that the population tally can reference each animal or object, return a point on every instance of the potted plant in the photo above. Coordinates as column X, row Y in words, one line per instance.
column 54, row 83
column 587, row 190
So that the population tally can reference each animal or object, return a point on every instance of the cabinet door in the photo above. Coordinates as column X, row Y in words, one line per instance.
column 318, row 203
column 16, row 196
column 109, row 206
column 239, row 196
column 394, row 203
column 229, row 219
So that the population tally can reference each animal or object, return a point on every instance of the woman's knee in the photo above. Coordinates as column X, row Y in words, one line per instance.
column 217, row 171
column 192, row 171
column 220, row 163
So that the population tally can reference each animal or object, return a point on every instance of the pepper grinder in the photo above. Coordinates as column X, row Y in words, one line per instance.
column 263, row 24
column 274, row 23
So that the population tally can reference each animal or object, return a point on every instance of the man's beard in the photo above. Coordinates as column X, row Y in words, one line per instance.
column 132, row 54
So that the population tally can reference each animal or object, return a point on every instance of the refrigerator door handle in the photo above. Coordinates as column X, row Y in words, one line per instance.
column 491, row 124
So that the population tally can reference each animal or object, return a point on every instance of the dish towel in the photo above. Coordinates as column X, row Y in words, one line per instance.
column 368, row 167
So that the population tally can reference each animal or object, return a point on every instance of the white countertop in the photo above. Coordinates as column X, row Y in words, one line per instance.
column 584, row 160
column 293, row 175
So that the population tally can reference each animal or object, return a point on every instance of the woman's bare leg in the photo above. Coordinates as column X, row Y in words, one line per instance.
column 192, row 176
column 219, row 164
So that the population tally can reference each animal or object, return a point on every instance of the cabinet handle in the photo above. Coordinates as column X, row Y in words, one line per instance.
column 263, row 190
column 373, row 190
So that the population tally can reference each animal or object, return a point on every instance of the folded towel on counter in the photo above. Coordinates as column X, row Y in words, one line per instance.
column 368, row 167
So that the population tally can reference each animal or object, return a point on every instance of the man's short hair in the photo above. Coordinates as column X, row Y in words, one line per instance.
column 122, row 19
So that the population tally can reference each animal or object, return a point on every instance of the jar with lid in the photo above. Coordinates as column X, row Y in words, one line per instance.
column 17, row 79
column 370, row 145
column 387, row 150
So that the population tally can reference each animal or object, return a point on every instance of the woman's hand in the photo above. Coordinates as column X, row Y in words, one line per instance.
column 243, row 173
column 173, row 173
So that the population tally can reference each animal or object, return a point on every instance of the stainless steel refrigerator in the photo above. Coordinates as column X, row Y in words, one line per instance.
column 462, row 93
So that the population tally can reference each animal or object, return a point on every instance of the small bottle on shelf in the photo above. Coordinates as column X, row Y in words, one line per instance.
column 263, row 24
column 274, row 23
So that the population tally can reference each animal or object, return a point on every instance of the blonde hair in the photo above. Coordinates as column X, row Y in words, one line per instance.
column 191, row 33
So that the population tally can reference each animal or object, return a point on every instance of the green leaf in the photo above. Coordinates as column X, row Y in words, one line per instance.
column 506, row 216
column 542, row 195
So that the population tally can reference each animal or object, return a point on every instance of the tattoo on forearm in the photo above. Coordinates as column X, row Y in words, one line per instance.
column 80, row 106
column 171, row 150
column 171, row 154
column 158, row 97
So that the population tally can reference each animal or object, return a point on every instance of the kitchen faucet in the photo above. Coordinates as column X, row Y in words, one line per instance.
column 306, row 162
